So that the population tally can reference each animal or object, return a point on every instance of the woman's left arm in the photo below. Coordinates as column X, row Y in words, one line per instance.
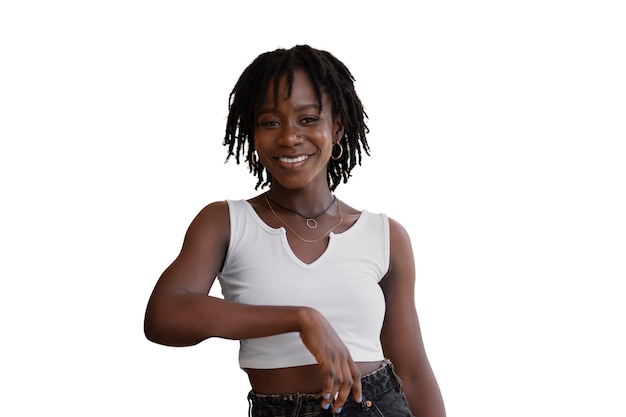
column 401, row 336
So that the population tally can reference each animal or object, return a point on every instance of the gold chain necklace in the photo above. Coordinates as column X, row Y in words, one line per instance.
column 296, row 234
column 311, row 221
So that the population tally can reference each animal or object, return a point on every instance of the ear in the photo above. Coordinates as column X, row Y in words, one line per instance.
column 337, row 130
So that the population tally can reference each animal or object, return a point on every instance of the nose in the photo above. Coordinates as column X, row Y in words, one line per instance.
column 290, row 137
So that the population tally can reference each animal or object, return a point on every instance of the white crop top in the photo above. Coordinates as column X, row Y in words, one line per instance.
column 342, row 284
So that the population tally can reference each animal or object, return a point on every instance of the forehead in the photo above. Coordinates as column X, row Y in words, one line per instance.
column 299, row 89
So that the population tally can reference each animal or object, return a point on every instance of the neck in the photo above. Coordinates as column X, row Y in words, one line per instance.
column 307, row 202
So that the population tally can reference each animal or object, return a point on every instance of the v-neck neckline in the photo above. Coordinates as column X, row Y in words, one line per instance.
column 285, row 242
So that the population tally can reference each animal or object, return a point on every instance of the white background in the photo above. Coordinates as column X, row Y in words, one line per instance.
column 497, row 131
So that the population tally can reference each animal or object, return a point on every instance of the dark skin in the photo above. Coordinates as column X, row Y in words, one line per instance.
column 294, row 142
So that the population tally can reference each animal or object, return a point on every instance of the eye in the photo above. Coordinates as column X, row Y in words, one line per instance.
column 309, row 120
column 268, row 123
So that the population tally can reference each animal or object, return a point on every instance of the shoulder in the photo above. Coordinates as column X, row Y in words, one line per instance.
column 398, row 235
column 401, row 262
column 213, row 212
column 212, row 223
column 203, row 251
column 397, row 232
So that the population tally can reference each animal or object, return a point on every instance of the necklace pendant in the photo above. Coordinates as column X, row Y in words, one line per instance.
column 311, row 223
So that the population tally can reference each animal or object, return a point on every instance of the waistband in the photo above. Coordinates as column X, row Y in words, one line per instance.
column 383, row 380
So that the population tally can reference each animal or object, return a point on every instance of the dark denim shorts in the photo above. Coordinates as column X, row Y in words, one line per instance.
column 382, row 397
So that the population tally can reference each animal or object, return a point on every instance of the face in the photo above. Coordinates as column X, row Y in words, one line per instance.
column 294, row 141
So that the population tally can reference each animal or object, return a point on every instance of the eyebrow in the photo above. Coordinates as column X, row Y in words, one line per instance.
column 299, row 108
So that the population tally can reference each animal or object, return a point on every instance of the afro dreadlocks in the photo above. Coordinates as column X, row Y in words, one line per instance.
column 328, row 75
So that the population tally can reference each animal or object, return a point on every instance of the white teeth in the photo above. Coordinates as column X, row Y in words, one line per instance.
column 293, row 160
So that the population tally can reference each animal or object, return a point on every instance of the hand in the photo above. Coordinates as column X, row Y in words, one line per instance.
column 339, row 371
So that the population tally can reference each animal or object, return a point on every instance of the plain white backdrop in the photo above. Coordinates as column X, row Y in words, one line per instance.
column 497, row 135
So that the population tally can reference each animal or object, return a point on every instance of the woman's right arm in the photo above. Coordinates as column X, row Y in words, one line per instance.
column 180, row 312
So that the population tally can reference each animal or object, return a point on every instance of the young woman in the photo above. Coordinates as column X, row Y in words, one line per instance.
column 320, row 294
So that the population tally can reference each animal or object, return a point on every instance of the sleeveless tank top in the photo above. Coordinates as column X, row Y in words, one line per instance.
column 342, row 284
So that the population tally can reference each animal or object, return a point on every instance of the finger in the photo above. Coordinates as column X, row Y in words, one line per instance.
column 352, row 375
column 330, row 386
column 357, row 390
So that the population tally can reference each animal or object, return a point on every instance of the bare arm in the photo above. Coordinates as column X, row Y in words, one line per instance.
column 407, row 351
column 180, row 313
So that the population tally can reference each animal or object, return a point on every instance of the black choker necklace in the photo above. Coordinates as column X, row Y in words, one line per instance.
column 310, row 220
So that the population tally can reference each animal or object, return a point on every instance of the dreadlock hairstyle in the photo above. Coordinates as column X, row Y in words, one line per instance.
column 328, row 75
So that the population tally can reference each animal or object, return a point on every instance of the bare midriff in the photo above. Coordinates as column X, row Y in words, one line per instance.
column 306, row 379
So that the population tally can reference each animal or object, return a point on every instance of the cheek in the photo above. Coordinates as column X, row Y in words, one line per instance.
column 259, row 141
column 327, row 149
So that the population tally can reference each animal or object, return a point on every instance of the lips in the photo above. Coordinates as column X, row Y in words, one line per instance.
column 293, row 160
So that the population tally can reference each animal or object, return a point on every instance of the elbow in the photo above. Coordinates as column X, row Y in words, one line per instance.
column 152, row 333
column 164, row 332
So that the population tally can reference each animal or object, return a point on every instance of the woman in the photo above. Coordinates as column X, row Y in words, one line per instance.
column 320, row 294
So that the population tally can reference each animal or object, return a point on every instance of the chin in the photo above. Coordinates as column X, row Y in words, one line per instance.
column 291, row 185
column 298, row 182
column 294, row 183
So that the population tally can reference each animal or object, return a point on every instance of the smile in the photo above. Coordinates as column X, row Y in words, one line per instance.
column 293, row 160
